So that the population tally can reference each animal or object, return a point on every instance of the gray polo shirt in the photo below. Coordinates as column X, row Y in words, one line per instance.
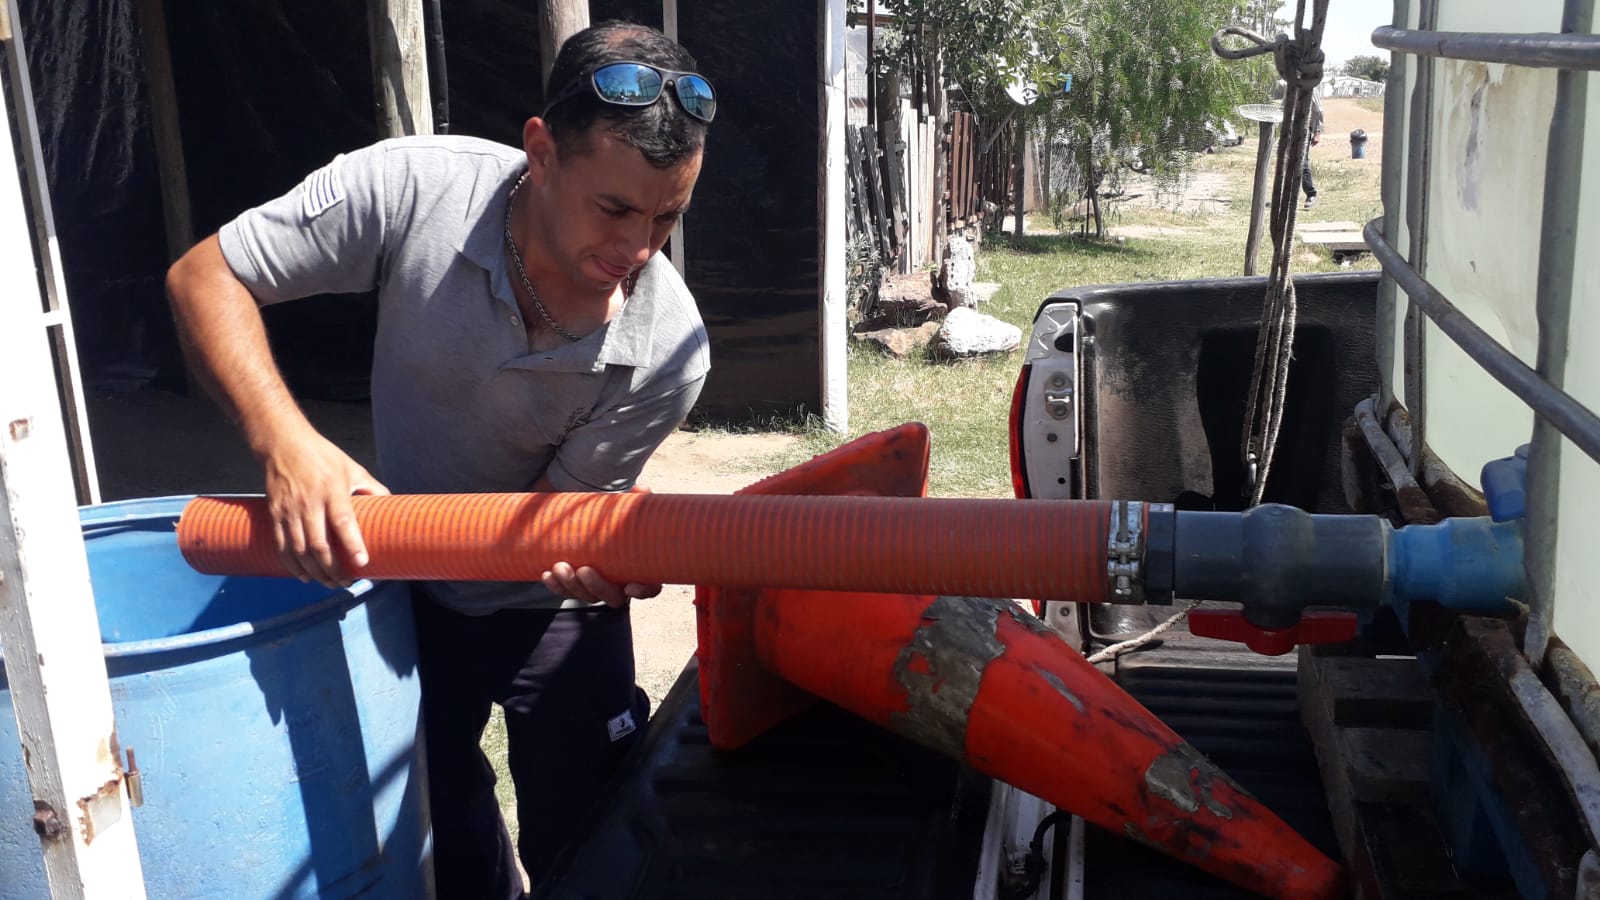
column 460, row 403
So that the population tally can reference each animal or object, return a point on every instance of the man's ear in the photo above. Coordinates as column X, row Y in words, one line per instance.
column 540, row 146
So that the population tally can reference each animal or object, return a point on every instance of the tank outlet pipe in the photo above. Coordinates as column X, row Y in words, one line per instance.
column 1278, row 561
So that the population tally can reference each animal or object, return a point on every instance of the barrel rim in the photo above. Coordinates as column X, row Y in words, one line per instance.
column 222, row 638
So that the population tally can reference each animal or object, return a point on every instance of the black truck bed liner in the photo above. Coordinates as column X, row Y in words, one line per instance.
column 824, row 806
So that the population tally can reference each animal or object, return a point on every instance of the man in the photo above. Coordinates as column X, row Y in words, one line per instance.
column 529, row 337
column 1309, row 186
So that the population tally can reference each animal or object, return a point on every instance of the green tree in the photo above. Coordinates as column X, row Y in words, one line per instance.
column 1260, row 16
column 984, row 44
column 1370, row 67
column 1145, row 83
column 1145, row 87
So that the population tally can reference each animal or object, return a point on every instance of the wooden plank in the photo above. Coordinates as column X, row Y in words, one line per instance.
column 964, row 169
column 54, row 662
column 969, row 168
column 916, row 202
column 930, row 184
column 165, row 128
column 958, row 193
column 908, row 165
column 870, row 155
column 164, row 125
column 400, row 65
column 953, row 160
column 1370, row 721
column 919, row 193
column 1326, row 226
column 1337, row 241
column 58, row 309
column 1387, row 765
column 676, row 249
column 893, row 164
column 860, row 218
column 558, row 20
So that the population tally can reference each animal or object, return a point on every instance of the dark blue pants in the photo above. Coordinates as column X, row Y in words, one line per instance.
column 1306, row 183
column 565, row 681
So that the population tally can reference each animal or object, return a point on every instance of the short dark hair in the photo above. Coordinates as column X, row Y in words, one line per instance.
column 662, row 131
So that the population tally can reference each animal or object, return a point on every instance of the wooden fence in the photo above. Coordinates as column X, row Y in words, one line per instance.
column 980, row 169
column 892, row 183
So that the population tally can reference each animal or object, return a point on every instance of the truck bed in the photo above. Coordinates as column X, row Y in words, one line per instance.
column 825, row 805
column 829, row 806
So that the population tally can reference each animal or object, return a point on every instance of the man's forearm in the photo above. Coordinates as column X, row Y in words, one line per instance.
column 226, row 345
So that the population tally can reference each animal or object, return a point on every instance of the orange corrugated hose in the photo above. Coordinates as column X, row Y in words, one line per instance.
column 993, row 548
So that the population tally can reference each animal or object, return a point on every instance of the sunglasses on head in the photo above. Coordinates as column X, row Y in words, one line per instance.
column 637, row 84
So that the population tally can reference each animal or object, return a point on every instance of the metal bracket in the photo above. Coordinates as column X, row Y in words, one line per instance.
column 1125, row 552
column 133, row 781
column 1058, row 395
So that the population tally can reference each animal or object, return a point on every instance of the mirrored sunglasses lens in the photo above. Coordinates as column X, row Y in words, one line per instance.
column 698, row 99
column 628, row 84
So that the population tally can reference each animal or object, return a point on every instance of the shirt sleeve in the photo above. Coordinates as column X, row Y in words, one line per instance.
column 325, row 236
column 608, row 452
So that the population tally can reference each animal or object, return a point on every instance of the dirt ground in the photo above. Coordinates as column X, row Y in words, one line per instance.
column 1339, row 118
column 1207, row 193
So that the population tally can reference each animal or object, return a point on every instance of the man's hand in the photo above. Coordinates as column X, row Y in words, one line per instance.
column 584, row 583
column 309, row 485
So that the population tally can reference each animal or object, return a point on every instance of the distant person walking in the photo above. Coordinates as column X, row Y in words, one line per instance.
column 1309, row 186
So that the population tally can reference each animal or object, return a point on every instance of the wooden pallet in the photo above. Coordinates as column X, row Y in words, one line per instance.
column 1371, row 721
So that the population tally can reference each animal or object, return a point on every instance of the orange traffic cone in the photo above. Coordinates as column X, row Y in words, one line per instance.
column 984, row 682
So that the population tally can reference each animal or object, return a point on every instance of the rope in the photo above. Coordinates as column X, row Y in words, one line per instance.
column 1299, row 63
column 1116, row 650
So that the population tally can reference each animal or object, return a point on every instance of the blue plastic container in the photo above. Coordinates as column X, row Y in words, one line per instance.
column 1358, row 144
column 275, row 725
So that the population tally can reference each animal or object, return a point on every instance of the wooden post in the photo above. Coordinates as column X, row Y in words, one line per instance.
column 1019, row 163
column 54, row 663
column 675, row 247
column 872, row 77
column 933, row 74
column 891, row 135
column 164, row 125
column 58, row 315
column 1044, row 171
column 399, row 67
column 1258, row 196
column 833, row 292
column 559, row 20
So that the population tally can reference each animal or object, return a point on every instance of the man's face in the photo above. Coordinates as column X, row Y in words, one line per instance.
column 607, row 211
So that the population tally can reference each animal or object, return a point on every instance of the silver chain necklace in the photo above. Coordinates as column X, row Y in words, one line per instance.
column 516, row 257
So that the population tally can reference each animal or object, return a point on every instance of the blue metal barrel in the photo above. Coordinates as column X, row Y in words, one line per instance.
column 275, row 725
